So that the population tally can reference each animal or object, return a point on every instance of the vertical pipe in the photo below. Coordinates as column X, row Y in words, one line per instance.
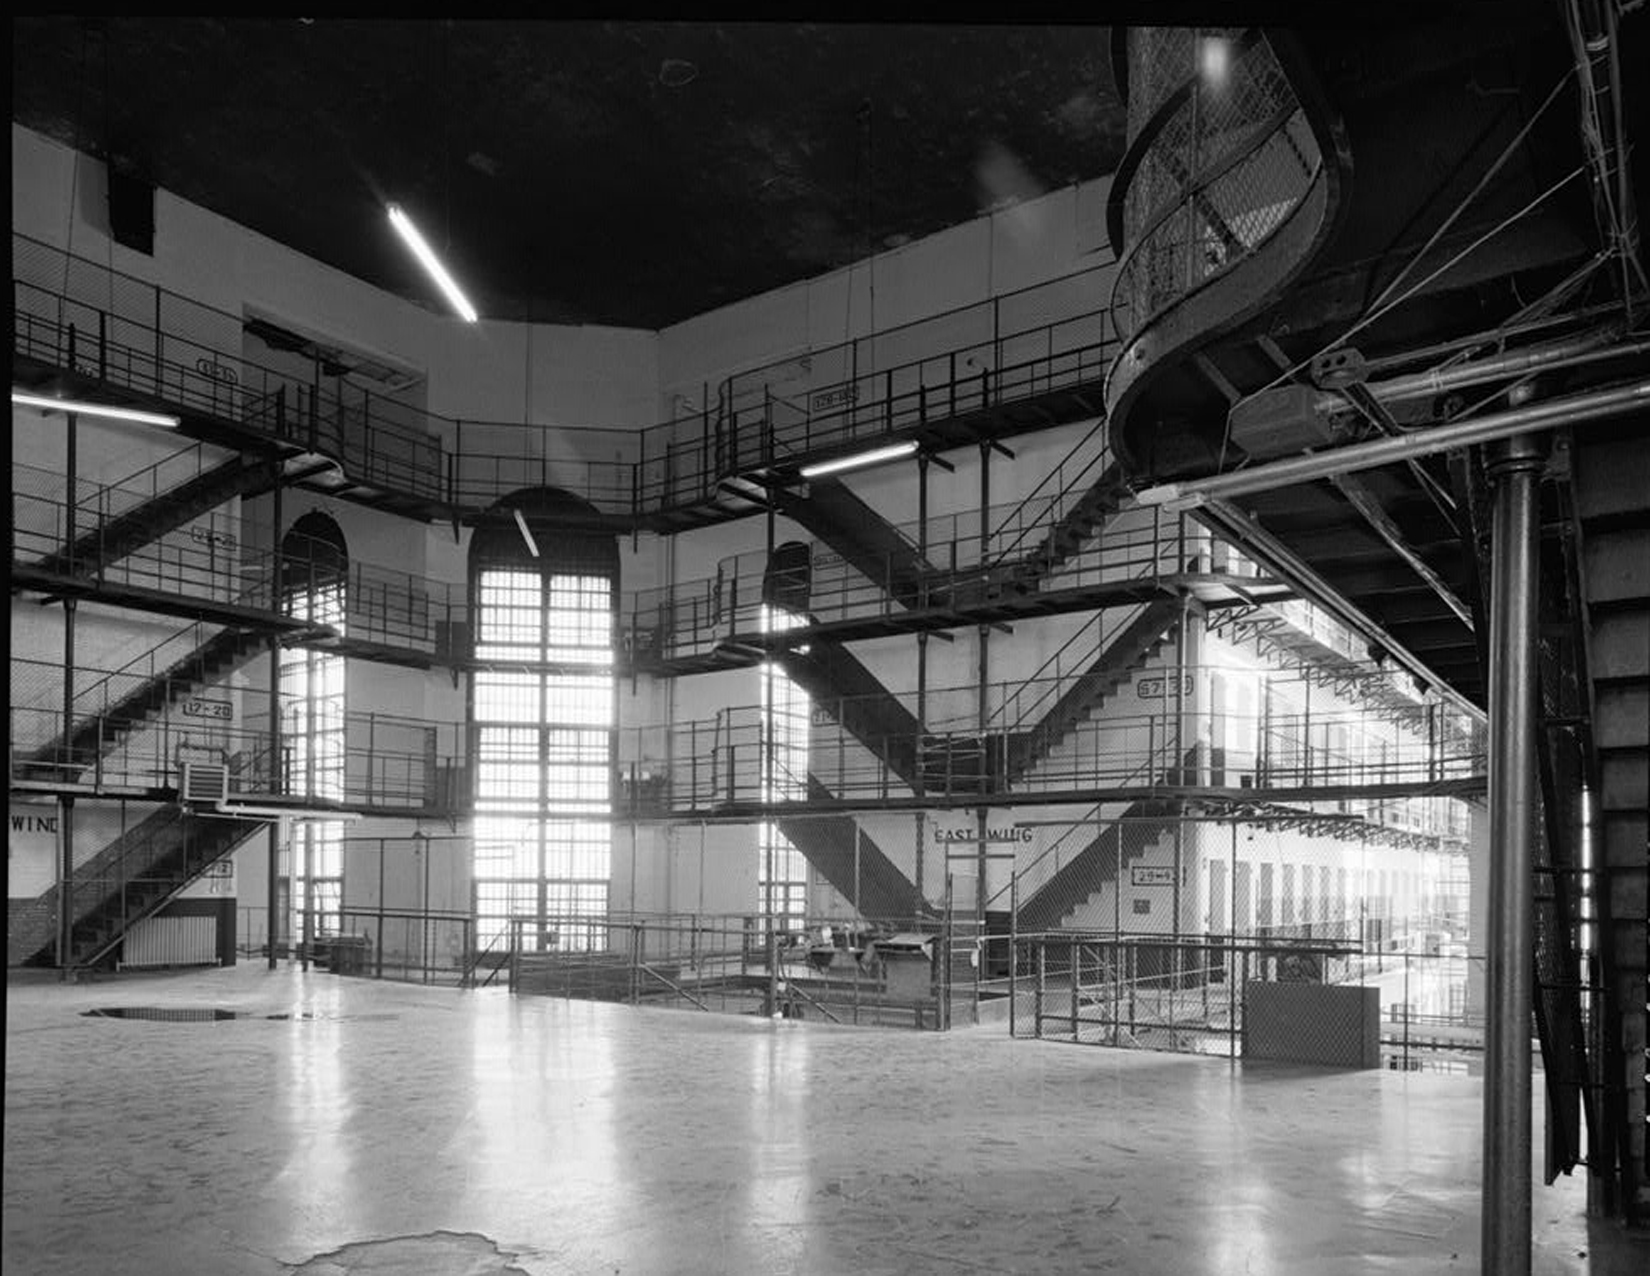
column 1013, row 946
column 308, row 901
column 1505, row 1217
column 922, row 707
column 1231, row 952
column 272, row 885
column 379, row 958
column 1041, row 988
column 72, row 496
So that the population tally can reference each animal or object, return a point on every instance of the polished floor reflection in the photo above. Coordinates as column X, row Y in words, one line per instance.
column 339, row 1125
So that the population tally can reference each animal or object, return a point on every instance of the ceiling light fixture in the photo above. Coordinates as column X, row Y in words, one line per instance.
column 1216, row 57
column 427, row 258
column 874, row 457
column 108, row 410
column 526, row 533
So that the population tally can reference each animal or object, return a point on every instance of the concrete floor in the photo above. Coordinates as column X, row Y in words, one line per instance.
column 388, row 1128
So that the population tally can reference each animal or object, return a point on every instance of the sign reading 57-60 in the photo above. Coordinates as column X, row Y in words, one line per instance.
column 1157, row 688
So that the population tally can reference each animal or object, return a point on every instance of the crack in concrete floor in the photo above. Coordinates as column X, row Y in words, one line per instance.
column 439, row 1253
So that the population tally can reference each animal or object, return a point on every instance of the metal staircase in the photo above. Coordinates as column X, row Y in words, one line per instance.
column 129, row 880
column 1101, row 862
column 114, row 537
column 1071, row 531
column 1118, row 656
column 866, row 540
column 838, row 684
column 65, row 759
column 1610, row 470
column 881, row 890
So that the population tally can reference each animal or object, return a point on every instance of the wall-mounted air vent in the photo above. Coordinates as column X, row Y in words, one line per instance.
column 206, row 783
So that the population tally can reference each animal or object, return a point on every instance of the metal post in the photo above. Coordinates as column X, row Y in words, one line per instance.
column 379, row 957
column 273, row 885
column 1231, row 952
column 424, row 922
column 276, row 782
column 922, row 707
column 72, row 497
column 1013, row 945
column 1505, row 1216
column 1074, row 973
column 1042, row 988
column 65, row 887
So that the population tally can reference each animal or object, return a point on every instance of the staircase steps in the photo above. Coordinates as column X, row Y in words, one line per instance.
column 1137, row 643
column 1612, row 496
column 131, row 879
column 828, row 843
column 1072, row 531
column 1100, row 862
column 132, row 529
column 64, row 761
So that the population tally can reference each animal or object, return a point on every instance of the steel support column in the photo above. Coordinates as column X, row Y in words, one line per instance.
column 65, row 876
column 1514, row 583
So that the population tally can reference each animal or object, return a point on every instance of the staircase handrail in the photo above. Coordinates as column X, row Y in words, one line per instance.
column 1054, row 687
column 1064, row 485
column 1080, row 824
column 133, row 484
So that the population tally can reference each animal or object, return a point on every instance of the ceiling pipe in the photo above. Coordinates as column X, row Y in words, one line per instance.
column 1576, row 409
column 1558, row 354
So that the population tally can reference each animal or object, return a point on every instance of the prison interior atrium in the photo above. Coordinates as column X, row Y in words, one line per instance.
column 1115, row 736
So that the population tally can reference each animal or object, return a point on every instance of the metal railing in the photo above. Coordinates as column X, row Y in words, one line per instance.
column 1191, row 995
column 76, row 314
column 1211, row 176
column 781, row 966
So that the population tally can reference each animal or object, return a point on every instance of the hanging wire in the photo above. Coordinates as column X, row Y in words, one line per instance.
column 1386, row 301
column 1378, row 313
column 74, row 152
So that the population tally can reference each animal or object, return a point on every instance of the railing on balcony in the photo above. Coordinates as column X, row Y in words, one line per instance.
column 1214, row 169
column 76, row 314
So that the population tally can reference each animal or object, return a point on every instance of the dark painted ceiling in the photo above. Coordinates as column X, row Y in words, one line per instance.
column 605, row 172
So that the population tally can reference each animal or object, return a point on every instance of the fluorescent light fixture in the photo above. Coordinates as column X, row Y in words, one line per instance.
column 430, row 262
column 874, row 457
column 108, row 410
column 526, row 535
column 1172, row 497
column 1217, row 56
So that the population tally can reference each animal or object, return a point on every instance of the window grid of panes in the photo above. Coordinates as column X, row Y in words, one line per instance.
column 787, row 711
column 312, row 739
column 544, row 749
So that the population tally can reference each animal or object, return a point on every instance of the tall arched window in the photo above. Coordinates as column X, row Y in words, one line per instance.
column 787, row 719
column 542, row 713
column 314, row 587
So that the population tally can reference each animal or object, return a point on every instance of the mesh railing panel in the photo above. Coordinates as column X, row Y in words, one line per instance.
column 1223, row 172
column 1263, row 938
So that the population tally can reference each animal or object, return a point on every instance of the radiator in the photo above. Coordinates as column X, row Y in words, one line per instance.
column 172, row 941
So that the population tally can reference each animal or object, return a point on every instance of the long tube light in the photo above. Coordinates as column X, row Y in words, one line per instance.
column 526, row 533
column 109, row 411
column 874, row 457
column 1574, row 410
column 430, row 262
